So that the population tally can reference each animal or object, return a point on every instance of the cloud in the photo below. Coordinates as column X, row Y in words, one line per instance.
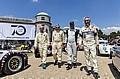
column 75, row 20
column 108, row 30
column 35, row 0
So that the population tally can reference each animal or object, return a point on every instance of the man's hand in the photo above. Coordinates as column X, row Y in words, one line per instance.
column 77, row 45
column 34, row 47
column 65, row 44
column 97, row 46
column 62, row 45
column 50, row 46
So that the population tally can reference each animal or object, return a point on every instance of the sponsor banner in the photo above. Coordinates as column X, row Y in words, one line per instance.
column 12, row 31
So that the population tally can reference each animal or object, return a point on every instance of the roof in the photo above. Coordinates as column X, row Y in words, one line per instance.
column 103, row 40
column 69, row 27
column 8, row 19
column 42, row 13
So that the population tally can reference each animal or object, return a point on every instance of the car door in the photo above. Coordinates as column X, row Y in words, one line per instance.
column 117, row 59
column 102, row 47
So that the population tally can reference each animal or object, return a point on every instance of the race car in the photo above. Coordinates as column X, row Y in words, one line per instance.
column 113, row 49
column 12, row 61
column 116, row 57
column 104, row 47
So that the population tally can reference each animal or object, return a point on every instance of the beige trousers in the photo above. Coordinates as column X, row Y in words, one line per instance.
column 90, row 55
column 57, row 51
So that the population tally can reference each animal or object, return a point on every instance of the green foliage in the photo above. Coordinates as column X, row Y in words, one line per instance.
column 104, row 36
column 114, row 34
column 101, row 34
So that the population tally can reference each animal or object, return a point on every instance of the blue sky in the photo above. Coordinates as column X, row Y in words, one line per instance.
column 102, row 12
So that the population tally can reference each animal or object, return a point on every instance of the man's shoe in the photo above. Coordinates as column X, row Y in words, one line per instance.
column 59, row 65
column 96, row 75
column 69, row 67
column 56, row 62
column 74, row 65
column 44, row 66
column 89, row 72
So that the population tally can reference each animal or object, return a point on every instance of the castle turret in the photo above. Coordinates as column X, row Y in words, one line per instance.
column 43, row 19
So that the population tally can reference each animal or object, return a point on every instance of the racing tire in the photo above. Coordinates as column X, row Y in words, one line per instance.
column 13, row 64
column 97, row 52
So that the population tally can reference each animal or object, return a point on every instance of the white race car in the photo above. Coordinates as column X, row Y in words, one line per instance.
column 104, row 47
column 115, row 51
column 12, row 61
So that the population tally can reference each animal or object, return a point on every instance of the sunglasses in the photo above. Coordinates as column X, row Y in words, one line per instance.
column 57, row 27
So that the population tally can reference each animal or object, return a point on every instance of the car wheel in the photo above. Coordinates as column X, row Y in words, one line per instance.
column 14, row 64
column 110, row 56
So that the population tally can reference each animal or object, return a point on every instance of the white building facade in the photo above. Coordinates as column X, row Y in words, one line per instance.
column 12, row 28
column 18, row 30
column 43, row 19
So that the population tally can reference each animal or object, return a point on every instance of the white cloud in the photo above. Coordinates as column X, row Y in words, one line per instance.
column 35, row 0
column 108, row 30
column 75, row 20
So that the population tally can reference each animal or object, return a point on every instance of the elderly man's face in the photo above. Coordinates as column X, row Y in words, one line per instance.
column 57, row 29
column 87, row 22
column 41, row 29
column 72, row 25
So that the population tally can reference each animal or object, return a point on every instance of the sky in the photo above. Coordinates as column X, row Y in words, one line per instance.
column 104, row 13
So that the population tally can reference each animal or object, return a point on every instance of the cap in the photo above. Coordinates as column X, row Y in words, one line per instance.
column 41, row 26
column 86, row 18
column 57, row 26
column 71, row 22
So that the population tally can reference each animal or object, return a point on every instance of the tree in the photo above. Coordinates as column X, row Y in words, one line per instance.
column 118, row 33
column 113, row 34
column 100, row 33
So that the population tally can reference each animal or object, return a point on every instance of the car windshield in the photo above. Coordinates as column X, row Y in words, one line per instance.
column 103, row 42
column 1, row 54
column 119, row 47
column 15, row 45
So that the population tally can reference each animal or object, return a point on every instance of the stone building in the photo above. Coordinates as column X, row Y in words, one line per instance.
column 43, row 19
column 20, row 30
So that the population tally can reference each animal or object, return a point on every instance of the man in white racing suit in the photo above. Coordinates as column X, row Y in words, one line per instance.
column 57, row 43
column 89, row 39
column 71, row 42
column 42, row 42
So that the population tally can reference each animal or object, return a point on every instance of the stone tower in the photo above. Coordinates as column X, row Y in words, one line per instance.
column 43, row 19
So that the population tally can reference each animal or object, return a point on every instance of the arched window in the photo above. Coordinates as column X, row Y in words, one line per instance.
column 42, row 18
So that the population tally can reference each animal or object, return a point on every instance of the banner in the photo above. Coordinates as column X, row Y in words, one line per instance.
column 12, row 31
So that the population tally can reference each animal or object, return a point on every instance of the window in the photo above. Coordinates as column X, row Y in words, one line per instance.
column 42, row 18
column 103, row 42
column 49, row 19
column 43, row 25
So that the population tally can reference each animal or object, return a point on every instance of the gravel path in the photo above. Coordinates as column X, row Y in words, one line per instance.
column 52, row 72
